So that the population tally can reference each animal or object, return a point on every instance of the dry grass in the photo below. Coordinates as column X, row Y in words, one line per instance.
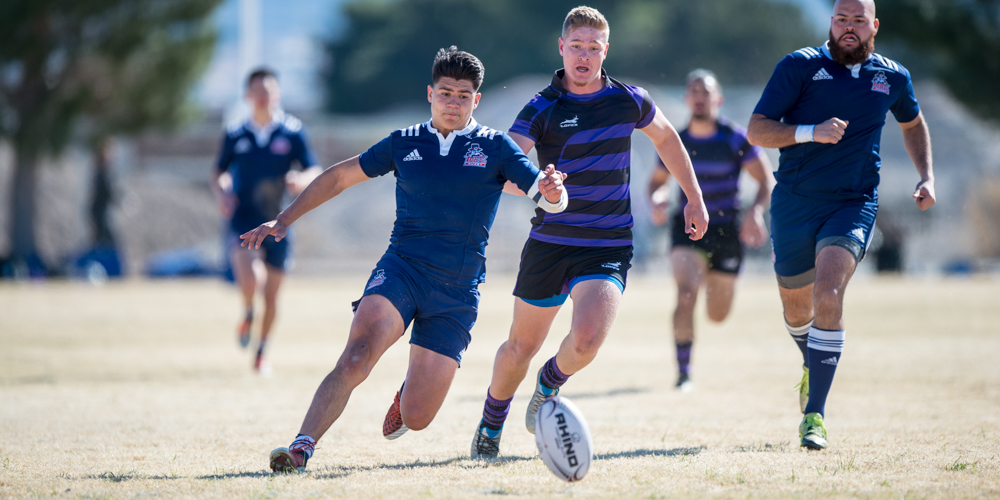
column 137, row 389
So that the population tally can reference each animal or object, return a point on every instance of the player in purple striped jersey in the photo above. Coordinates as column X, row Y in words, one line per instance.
column 719, row 151
column 583, row 123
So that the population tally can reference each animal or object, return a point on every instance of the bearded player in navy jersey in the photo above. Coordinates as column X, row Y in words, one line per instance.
column 450, row 172
column 719, row 151
column 583, row 123
column 825, row 108
column 252, row 174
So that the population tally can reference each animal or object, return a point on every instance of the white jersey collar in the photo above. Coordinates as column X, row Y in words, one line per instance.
column 445, row 142
column 263, row 134
column 855, row 68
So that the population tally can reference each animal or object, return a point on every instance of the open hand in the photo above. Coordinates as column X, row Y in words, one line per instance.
column 253, row 239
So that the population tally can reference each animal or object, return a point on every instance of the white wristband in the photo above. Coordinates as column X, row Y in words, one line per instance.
column 553, row 208
column 804, row 133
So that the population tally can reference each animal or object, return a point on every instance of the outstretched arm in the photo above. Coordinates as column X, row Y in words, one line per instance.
column 328, row 184
column 917, row 140
column 753, row 232
column 671, row 150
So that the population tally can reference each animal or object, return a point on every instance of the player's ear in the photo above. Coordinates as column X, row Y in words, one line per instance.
column 606, row 47
column 561, row 42
column 430, row 92
column 875, row 24
column 475, row 102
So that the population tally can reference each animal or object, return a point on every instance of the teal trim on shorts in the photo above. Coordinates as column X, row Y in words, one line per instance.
column 579, row 279
column 553, row 301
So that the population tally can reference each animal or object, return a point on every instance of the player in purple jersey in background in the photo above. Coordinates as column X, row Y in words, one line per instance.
column 825, row 107
column 251, row 177
column 719, row 151
column 583, row 123
column 449, row 172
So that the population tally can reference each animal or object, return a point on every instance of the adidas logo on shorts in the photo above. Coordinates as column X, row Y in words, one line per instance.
column 414, row 155
column 822, row 75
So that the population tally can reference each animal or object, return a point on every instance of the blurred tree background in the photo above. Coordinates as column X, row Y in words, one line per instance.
column 956, row 41
column 385, row 54
column 72, row 69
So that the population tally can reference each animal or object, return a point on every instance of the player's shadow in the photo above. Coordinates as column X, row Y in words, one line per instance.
column 675, row 452
column 338, row 472
column 627, row 391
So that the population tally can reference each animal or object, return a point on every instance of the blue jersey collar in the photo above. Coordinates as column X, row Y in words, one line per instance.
column 263, row 134
column 445, row 142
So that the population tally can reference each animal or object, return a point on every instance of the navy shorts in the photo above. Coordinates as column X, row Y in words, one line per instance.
column 277, row 254
column 720, row 245
column 549, row 271
column 442, row 314
column 801, row 227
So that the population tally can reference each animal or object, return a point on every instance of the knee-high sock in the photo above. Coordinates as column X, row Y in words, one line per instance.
column 800, row 335
column 825, row 347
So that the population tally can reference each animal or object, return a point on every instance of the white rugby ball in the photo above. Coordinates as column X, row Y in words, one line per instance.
column 563, row 439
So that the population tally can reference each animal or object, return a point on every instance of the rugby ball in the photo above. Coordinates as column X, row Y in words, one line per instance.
column 563, row 439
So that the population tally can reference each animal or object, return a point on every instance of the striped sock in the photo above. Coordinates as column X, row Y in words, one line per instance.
column 495, row 411
column 800, row 335
column 825, row 347
column 552, row 377
column 684, row 357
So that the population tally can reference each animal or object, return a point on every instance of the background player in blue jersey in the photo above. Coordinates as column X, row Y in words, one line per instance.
column 583, row 123
column 825, row 107
column 719, row 151
column 450, row 172
column 253, row 172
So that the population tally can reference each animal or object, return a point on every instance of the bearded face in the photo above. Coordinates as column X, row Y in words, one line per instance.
column 850, row 57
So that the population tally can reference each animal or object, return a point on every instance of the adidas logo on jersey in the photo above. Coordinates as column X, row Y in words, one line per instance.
column 822, row 75
column 414, row 155
column 572, row 122
column 613, row 265
column 830, row 361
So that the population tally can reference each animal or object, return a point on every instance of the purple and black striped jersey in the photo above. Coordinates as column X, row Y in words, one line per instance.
column 717, row 161
column 589, row 138
column 808, row 88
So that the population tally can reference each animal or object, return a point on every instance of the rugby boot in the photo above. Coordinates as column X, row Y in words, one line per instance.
column 261, row 366
column 542, row 392
column 288, row 461
column 684, row 383
column 812, row 432
column 486, row 443
column 803, row 388
column 393, row 426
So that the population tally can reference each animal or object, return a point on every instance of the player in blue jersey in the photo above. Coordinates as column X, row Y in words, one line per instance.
column 719, row 151
column 583, row 123
column 825, row 108
column 450, row 172
column 252, row 174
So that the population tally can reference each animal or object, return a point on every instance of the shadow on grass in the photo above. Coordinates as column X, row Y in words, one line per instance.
column 675, row 452
column 626, row 391
column 338, row 472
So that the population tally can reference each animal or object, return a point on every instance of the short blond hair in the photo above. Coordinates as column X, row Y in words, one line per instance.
column 584, row 16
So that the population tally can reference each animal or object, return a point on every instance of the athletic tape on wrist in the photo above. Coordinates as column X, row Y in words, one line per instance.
column 536, row 195
column 804, row 133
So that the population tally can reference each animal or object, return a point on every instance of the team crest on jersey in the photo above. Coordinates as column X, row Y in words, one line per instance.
column 281, row 145
column 377, row 280
column 880, row 83
column 475, row 157
column 241, row 146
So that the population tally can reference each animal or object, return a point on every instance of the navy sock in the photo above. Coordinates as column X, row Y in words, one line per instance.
column 551, row 375
column 495, row 411
column 684, row 357
column 800, row 335
column 825, row 347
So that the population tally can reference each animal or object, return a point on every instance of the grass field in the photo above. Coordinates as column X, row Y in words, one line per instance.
column 138, row 389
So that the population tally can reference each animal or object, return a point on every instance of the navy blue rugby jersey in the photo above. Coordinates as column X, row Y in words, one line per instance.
column 717, row 162
column 259, row 165
column 808, row 88
column 588, row 137
column 447, row 194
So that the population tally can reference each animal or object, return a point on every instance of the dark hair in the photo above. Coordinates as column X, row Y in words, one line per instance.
column 457, row 64
column 261, row 72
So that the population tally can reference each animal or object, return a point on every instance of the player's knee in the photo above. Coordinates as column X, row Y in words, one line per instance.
column 829, row 300
column 417, row 417
column 718, row 314
column 687, row 297
column 587, row 340
column 523, row 348
column 355, row 360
